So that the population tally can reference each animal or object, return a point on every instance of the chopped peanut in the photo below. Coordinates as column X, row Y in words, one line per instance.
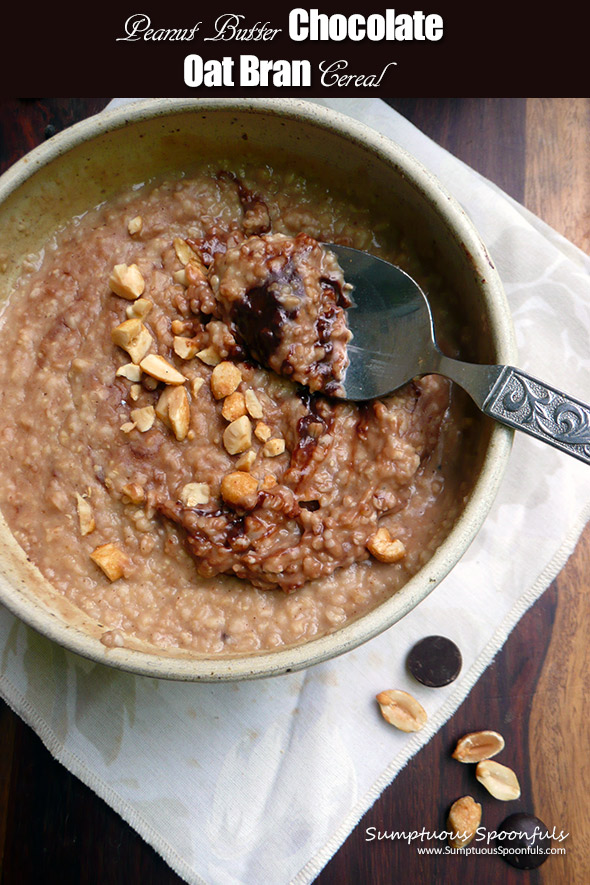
column 85, row 517
column 134, row 225
column 134, row 492
column 180, row 327
column 196, row 385
column 269, row 482
column 112, row 560
column 234, row 406
column 132, row 336
column 273, row 448
column 253, row 404
column 140, row 345
column 127, row 281
column 149, row 383
column 262, row 431
column 128, row 426
column 237, row 436
column 139, row 308
column 126, row 332
column 135, row 392
column 157, row 367
column 384, row 548
column 130, row 371
column 179, row 412
column 144, row 418
column 240, row 490
column 183, row 251
column 225, row 379
column 246, row 461
column 163, row 404
column 185, row 348
column 173, row 409
column 195, row 493
column 209, row 356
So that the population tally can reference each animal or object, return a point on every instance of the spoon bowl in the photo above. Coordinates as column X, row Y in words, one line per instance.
column 391, row 323
column 394, row 340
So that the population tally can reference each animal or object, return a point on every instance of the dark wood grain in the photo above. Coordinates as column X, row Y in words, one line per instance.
column 58, row 831
column 486, row 133
column 25, row 123
column 558, row 189
column 54, row 829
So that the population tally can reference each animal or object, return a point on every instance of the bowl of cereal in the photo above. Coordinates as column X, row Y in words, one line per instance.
column 183, row 493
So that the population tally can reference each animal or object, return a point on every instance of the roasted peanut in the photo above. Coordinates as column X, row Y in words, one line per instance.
column 183, row 251
column 478, row 745
column 246, row 461
column 237, row 436
column 85, row 516
column 234, row 406
column 253, row 404
column 209, row 356
column 131, row 371
column 127, row 281
column 134, row 492
column 185, row 348
column 499, row 780
column 402, row 710
column 463, row 821
column 273, row 448
column 139, row 308
column 262, row 431
column 196, row 385
column 160, row 369
column 195, row 493
column 112, row 560
column 225, row 379
column 135, row 225
column 143, row 418
column 384, row 548
column 179, row 412
column 131, row 335
column 239, row 490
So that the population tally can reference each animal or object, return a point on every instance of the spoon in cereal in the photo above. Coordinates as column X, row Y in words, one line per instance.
column 394, row 341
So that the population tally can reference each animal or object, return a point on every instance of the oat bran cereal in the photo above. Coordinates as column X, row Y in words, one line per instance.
column 163, row 480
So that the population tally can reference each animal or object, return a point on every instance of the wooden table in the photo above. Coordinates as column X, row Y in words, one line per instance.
column 54, row 829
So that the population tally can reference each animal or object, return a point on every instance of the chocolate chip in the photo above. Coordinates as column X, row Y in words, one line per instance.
column 435, row 661
column 310, row 505
column 524, row 840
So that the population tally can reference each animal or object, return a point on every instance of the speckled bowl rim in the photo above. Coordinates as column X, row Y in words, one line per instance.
column 357, row 632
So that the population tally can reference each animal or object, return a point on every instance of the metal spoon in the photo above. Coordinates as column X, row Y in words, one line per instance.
column 394, row 341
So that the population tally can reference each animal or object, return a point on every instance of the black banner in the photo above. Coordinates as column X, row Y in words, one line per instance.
column 237, row 50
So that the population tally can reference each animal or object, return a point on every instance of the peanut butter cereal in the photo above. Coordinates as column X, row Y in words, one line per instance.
column 176, row 427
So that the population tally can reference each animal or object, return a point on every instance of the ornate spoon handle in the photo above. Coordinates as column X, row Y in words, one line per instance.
column 525, row 403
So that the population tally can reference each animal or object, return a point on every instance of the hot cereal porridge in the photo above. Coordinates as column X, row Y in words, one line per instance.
column 166, row 459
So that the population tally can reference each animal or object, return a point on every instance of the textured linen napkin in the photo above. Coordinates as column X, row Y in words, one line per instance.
column 261, row 782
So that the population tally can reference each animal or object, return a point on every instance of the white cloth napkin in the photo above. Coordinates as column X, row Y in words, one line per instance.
column 259, row 783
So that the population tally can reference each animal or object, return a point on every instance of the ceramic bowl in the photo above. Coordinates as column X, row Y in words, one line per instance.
column 81, row 166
